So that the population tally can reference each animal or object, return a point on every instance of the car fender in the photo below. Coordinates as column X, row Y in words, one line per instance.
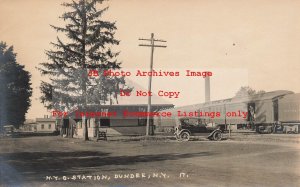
column 184, row 130
column 211, row 134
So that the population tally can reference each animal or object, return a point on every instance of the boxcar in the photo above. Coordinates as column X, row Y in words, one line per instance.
column 289, row 111
column 262, row 110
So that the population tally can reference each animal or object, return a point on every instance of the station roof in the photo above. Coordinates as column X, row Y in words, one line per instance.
column 119, row 108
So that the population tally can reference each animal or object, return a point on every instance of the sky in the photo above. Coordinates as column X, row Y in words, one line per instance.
column 243, row 42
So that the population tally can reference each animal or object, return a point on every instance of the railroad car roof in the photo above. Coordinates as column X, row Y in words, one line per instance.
column 245, row 99
column 262, row 96
column 292, row 97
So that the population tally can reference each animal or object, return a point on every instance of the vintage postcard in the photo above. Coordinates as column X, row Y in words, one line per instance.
column 149, row 93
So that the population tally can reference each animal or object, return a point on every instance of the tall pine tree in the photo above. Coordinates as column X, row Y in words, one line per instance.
column 15, row 88
column 87, row 47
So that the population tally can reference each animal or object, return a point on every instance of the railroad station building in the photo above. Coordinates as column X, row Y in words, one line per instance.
column 111, row 118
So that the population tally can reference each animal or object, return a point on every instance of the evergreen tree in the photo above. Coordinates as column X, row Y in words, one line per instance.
column 87, row 47
column 15, row 88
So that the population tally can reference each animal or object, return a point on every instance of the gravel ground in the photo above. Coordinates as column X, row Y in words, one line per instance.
column 241, row 160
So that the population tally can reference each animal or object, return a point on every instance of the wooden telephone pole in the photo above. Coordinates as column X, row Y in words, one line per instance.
column 152, row 45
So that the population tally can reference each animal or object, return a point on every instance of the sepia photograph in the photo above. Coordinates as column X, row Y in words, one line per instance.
column 149, row 93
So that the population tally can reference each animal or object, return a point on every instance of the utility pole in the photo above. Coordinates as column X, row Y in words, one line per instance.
column 152, row 45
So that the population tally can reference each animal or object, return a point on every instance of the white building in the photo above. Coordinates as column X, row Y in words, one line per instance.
column 45, row 124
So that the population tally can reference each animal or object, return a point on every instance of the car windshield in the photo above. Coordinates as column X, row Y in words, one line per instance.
column 192, row 121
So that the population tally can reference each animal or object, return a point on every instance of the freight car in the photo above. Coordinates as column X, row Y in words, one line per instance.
column 264, row 111
column 289, row 113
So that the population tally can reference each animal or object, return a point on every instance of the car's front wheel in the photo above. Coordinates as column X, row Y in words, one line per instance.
column 185, row 136
column 217, row 136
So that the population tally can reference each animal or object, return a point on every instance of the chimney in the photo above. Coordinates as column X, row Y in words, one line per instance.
column 207, row 89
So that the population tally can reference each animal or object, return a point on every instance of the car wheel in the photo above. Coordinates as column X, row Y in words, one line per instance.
column 185, row 136
column 217, row 136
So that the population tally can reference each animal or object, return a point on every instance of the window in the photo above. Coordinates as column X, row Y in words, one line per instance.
column 105, row 122
column 42, row 126
column 142, row 121
column 49, row 126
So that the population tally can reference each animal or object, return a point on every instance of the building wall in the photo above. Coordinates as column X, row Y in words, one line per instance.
column 78, row 132
column 40, row 127
column 45, row 126
column 123, row 122
column 28, row 127
column 117, row 127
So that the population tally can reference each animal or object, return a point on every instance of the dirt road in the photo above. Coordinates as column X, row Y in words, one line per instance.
column 54, row 161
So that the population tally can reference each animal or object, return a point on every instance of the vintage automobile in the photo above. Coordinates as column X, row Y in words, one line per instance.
column 188, row 127
column 9, row 130
column 265, row 129
column 291, row 128
column 279, row 128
